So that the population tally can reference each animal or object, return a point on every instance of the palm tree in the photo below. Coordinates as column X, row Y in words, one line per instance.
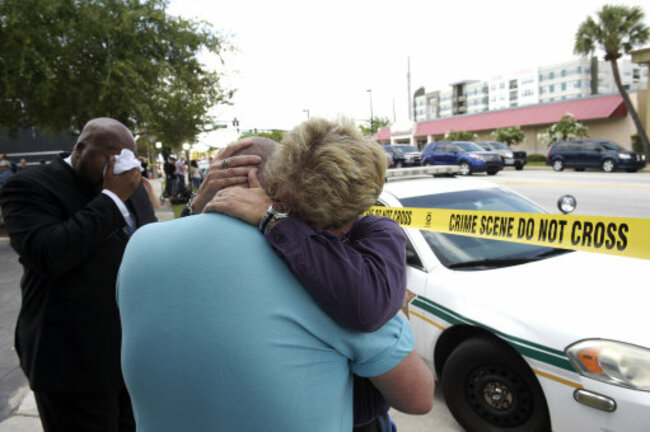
column 620, row 28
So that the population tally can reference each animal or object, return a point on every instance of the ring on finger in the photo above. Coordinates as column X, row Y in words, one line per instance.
column 225, row 164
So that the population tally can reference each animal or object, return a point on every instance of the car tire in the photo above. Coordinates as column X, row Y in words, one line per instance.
column 519, row 167
column 488, row 386
column 464, row 168
column 608, row 165
column 426, row 162
column 558, row 165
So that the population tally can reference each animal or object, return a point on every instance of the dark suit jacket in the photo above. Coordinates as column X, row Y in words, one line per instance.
column 70, row 241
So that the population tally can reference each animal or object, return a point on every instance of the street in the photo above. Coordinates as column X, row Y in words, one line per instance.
column 597, row 193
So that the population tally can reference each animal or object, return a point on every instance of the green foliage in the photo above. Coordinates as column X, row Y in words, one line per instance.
column 535, row 157
column 637, row 144
column 510, row 135
column 274, row 134
column 566, row 129
column 619, row 28
column 460, row 136
column 379, row 122
column 63, row 62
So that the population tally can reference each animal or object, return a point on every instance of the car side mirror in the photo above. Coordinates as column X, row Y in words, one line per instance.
column 567, row 204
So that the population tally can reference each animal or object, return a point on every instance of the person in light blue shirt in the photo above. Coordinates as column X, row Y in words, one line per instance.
column 226, row 338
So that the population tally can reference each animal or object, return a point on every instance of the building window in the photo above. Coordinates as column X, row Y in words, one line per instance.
column 551, row 88
column 551, row 75
column 563, row 86
column 563, row 72
column 579, row 69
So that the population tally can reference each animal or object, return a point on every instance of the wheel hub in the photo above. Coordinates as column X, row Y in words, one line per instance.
column 497, row 395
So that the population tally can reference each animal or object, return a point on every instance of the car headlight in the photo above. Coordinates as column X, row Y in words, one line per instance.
column 612, row 362
column 476, row 156
column 624, row 156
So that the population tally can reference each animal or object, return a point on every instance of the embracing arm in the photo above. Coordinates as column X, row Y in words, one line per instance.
column 361, row 282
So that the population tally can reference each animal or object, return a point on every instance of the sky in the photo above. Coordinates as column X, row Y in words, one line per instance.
column 323, row 56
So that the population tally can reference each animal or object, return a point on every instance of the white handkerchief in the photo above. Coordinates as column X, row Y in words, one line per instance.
column 125, row 161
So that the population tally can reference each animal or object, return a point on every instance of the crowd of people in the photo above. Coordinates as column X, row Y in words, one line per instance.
column 281, row 315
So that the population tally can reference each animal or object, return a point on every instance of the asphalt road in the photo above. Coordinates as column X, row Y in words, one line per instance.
column 615, row 194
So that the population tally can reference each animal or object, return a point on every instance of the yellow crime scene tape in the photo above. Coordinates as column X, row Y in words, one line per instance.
column 628, row 237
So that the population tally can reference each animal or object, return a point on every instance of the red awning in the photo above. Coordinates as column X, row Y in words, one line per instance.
column 590, row 108
column 383, row 135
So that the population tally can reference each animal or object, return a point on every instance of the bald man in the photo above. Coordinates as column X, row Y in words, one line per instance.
column 70, row 221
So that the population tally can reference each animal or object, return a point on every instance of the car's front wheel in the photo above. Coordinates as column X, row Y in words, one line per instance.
column 558, row 165
column 488, row 386
column 608, row 166
column 519, row 167
column 464, row 168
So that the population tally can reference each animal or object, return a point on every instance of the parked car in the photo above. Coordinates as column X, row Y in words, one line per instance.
column 469, row 157
column 522, row 337
column 403, row 155
column 581, row 154
column 509, row 156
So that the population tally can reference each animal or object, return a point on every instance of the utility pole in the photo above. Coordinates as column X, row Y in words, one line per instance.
column 372, row 118
column 408, row 81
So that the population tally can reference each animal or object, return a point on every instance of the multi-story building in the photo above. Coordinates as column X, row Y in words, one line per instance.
column 577, row 78
column 512, row 90
column 569, row 80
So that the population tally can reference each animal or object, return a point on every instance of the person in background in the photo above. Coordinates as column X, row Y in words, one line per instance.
column 195, row 174
column 69, row 222
column 264, row 315
column 22, row 165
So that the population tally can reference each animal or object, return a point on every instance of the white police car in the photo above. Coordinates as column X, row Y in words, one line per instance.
column 525, row 338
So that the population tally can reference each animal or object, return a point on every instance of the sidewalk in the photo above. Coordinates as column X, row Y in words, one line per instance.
column 25, row 418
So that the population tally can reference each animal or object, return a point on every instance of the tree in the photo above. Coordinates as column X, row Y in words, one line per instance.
column 274, row 134
column 510, row 135
column 63, row 62
column 378, row 122
column 460, row 136
column 619, row 28
column 566, row 129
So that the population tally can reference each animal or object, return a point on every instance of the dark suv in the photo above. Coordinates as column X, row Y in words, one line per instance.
column 403, row 155
column 516, row 158
column 581, row 154
column 469, row 157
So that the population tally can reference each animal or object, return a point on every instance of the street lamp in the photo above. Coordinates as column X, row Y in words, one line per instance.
column 372, row 118
column 307, row 111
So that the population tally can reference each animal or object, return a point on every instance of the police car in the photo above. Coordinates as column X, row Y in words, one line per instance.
column 521, row 337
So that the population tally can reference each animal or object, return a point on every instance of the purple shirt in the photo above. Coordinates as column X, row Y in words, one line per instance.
column 359, row 280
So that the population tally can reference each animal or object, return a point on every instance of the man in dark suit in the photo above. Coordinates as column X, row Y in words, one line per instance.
column 70, row 221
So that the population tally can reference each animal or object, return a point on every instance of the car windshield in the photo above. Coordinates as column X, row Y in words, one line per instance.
column 497, row 145
column 404, row 149
column 469, row 253
column 469, row 146
column 611, row 146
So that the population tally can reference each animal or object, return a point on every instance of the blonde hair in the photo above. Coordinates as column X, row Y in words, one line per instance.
column 326, row 172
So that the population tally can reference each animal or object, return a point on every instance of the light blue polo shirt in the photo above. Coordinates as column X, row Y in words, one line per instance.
column 219, row 336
